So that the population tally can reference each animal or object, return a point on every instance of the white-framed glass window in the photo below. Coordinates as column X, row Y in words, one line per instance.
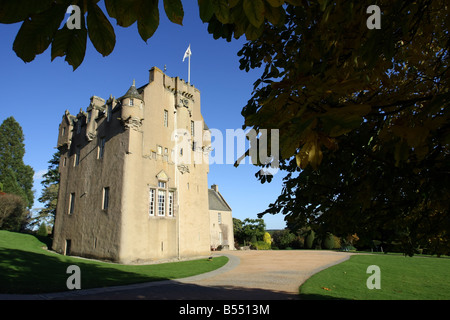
column 219, row 218
column 161, row 184
column 171, row 197
column 159, row 149
column 161, row 203
column 152, row 198
column 131, row 102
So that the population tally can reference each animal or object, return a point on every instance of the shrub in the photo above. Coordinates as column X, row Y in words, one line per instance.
column 42, row 231
column 12, row 212
column 262, row 245
column 328, row 242
column 283, row 238
column 310, row 239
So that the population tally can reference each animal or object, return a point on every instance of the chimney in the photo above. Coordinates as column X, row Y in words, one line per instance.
column 215, row 188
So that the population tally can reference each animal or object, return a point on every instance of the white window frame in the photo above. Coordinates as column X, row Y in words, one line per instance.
column 161, row 203
column 152, row 201
column 171, row 198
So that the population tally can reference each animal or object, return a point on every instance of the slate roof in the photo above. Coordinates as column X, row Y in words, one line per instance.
column 217, row 202
column 132, row 93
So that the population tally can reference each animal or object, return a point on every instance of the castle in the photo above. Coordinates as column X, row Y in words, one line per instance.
column 130, row 190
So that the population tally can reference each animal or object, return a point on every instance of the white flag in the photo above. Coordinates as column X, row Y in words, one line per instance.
column 187, row 53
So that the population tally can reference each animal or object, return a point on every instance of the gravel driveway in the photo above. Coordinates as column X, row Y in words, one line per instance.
column 249, row 275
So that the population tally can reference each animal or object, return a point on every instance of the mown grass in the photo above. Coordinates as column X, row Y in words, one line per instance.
column 401, row 278
column 25, row 267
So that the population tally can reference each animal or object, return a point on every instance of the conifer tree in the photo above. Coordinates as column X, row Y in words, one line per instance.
column 15, row 176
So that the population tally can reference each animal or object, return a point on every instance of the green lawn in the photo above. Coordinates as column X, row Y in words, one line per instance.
column 27, row 268
column 401, row 278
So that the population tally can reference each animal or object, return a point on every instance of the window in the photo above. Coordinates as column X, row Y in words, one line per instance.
column 64, row 161
column 101, row 147
column 77, row 157
column 89, row 116
column 63, row 133
column 71, row 203
column 159, row 148
column 109, row 114
column 161, row 184
column 151, row 209
column 171, row 195
column 161, row 202
column 131, row 102
column 78, row 126
column 166, row 118
column 219, row 218
column 105, row 203
column 192, row 129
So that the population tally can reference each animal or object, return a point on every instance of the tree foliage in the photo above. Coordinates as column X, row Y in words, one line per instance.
column 44, row 25
column 362, row 113
column 15, row 176
column 49, row 196
column 13, row 212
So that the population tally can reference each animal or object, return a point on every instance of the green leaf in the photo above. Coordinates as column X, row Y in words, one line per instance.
column 18, row 10
column 100, row 30
column 70, row 43
column 206, row 9
column 174, row 11
column 37, row 32
column 148, row 19
column 275, row 3
column 253, row 33
column 125, row 12
column 222, row 11
column 274, row 15
column 254, row 10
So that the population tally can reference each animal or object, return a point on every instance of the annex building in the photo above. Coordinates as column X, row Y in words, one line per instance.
column 130, row 191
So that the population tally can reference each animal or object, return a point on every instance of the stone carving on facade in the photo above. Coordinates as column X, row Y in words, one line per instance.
column 132, row 123
column 183, row 168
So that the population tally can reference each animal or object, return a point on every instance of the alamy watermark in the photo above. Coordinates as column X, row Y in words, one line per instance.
column 74, row 280
column 374, row 281
column 373, row 21
column 209, row 147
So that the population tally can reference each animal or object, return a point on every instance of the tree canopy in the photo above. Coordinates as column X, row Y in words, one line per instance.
column 363, row 118
column 15, row 176
column 362, row 113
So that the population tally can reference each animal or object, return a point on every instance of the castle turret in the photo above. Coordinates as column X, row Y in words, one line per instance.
column 132, row 108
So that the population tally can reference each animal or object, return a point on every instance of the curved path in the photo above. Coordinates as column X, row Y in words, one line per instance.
column 249, row 275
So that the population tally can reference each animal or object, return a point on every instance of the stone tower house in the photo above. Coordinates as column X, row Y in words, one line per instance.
column 130, row 191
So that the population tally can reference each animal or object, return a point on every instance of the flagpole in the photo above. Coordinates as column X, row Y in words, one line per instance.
column 189, row 67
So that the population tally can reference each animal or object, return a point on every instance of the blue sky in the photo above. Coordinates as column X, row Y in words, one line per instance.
column 36, row 94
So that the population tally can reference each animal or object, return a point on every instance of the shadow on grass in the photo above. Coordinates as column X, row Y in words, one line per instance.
column 28, row 272
column 319, row 297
